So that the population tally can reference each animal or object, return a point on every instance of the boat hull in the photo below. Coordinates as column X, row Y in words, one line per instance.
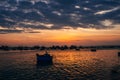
column 44, row 60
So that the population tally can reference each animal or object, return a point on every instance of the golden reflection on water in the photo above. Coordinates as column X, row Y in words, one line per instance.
column 71, row 56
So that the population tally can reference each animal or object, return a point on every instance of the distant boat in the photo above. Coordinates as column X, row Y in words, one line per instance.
column 45, row 59
column 77, row 49
column 115, row 70
column 93, row 50
column 118, row 53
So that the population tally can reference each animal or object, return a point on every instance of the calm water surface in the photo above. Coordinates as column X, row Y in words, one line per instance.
column 68, row 65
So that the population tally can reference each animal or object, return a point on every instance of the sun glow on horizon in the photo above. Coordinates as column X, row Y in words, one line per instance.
column 80, row 36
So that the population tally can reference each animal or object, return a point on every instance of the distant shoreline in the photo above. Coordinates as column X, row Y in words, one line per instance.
column 64, row 47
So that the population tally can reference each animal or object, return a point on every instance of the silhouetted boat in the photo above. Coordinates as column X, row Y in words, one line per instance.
column 77, row 49
column 115, row 70
column 118, row 53
column 93, row 50
column 45, row 59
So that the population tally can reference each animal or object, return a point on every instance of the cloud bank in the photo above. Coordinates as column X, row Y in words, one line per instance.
column 57, row 14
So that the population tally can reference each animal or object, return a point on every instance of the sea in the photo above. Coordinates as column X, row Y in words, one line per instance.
column 67, row 65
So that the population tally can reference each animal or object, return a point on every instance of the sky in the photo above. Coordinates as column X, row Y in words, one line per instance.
column 59, row 22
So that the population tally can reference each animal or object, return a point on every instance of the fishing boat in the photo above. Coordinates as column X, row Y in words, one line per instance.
column 119, row 54
column 77, row 49
column 93, row 50
column 44, row 59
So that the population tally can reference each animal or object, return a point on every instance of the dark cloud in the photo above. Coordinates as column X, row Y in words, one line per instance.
column 67, row 2
column 38, row 14
column 6, row 31
column 33, row 32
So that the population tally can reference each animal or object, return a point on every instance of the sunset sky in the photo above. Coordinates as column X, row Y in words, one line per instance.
column 59, row 22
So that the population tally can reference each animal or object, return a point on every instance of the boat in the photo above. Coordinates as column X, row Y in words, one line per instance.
column 119, row 54
column 93, row 50
column 115, row 69
column 44, row 59
column 77, row 49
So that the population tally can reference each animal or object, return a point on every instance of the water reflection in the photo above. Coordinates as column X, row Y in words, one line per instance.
column 67, row 65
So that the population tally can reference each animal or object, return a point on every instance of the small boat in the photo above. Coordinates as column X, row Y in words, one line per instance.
column 116, row 69
column 93, row 50
column 119, row 54
column 77, row 49
column 45, row 59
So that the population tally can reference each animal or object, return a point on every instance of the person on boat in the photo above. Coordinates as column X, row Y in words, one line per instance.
column 46, row 54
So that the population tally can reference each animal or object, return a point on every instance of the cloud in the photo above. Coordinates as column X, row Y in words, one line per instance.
column 106, row 23
column 6, row 31
column 17, row 30
column 34, row 32
column 106, row 11
column 55, row 14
